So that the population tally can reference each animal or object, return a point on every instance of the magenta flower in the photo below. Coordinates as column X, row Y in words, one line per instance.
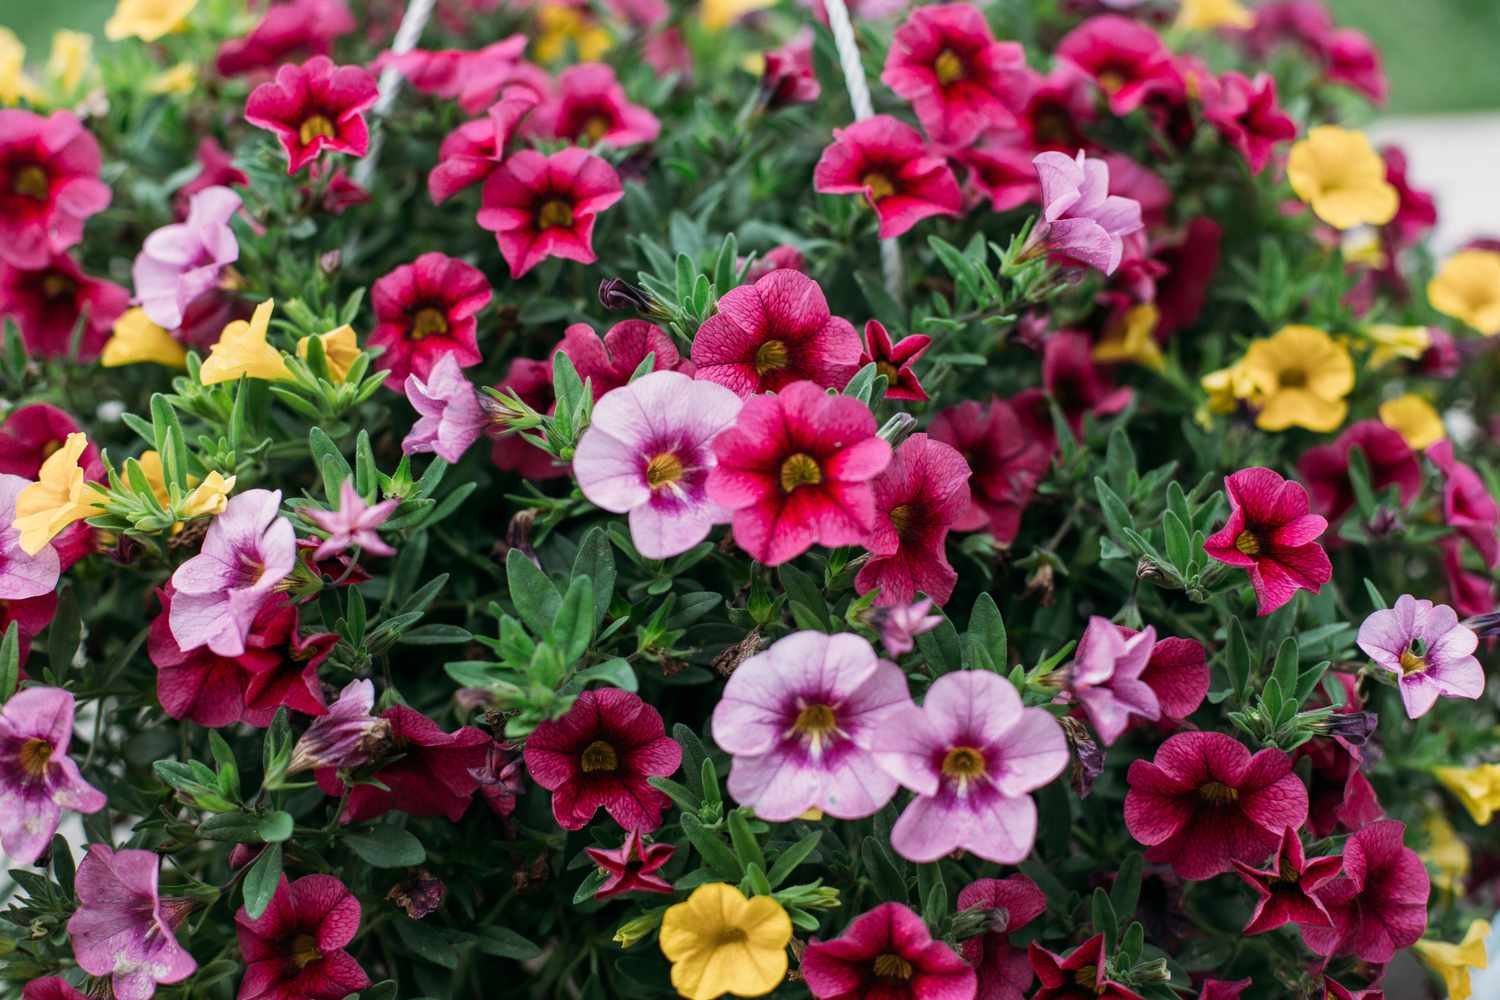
column 248, row 550
column 1006, row 464
column 1427, row 649
column 1106, row 677
column 1286, row 889
column 1378, row 905
column 50, row 988
column 353, row 524
column 450, row 418
column 1010, row 904
column 180, row 262
column 972, row 754
column 1001, row 171
column 1083, row 975
column 1177, row 674
column 895, row 360
column 1126, row 59
column 1389, row 459
column 804, row 721
column 590, row 107
column 1246, row 113
column 900, row 624
column 346, row 736
column 1468, row 507
column 428, row 772
column 609, row 362
column 1272, row 537
column 50, row 302
column 49, row 184
column 471, row 152
column 789, row 77
column 545, row 206
column 886, row 160
column 888, row 953
column 313, row 107
column 632, row 867
column 38, row 780
column 918, row 498
column 295, row 949
column 287, row 29
column 649, row 453
column 22, row 576
column 425, row 311
column 122, row 928
column 1081, row 220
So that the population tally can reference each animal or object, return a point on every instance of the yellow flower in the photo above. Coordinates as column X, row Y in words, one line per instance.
column 147, row 20
column 1453, row 961
column 59, row 497
column 71, row 58
column 340, row 349
column 1447, row 853
column 1206, row 15
column 1133, row 339
column 242, row 350
column 136, row 339
column 1467, row 287
column 720, row 942
column 15, row 85
column 1414, row 419
column 1478, row 788
column 561, row 24
column 209, row 499
column 156, row 477
column 179, row 79
column 1392, row 342
column 1338, row 173
column 1301, row 376
column 1227, row 386
column 717, row 15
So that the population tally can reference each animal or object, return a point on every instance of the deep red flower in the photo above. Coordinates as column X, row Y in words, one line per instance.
column 49, row 184
column 31, row 615
column 295, row 949
column 1470, row 593
column 471, row 152
column 1058, row 106
column 545, row 206
column 51, row 988
column 1007, row 464
column 1002, row 172
column 432, row 776
column 1187, row 266
column 773, row 333
column 632, row 866
column 1246, row 113
column 531, row 380
column 590, row 107
column 599, row 754
column 1286, row 891
column 1379, row 904
column 1126, row 59
column 1083, row 975
column 216, row 169
column 796, row 469
column 1416, row 212
column 501, row 779
column 47, row 304
column 1468, row 507
column 1219, row 989
column 608, row 363
column 1272, row 537
column 1075, row 382
column 1353, row 60
column 1011, row 904
column 959, row 80
column 33, row 432
column 291, row 678
column 788, row 77
column 886, row 160
column 336, row 195
column 1390, row 460
column 888, row 953
column 1177, row 673
column 895, row 360
column 1339, row 794
column 298, row 28
column 918, row 498
column 1205, row 802
column 424, row 310
column 313, row 107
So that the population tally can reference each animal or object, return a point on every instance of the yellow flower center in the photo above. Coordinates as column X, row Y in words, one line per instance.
column 305, row 950
column 1218, row 793
column 315, row 126
column 428, row 322
column 948, row 67
column 1247, row 543
column 50, row 447
column 34, row 755
column 554, row 214
column 663, row 470
column 595, row 128
column 31, row 182
column 889, row 966
column 800, row 470
column 815, row 720
column 771, row 356
column 963, row 764
column 1111, row 80
column 901, row 518
column 57, row 286
column 878, row 184
column 891, row 372
column 599, row 756
column 1088, row 977
column 1412, row 663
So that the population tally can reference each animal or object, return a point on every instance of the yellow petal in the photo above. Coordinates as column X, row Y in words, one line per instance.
column 1337, row 172
column 242, row 351
column 1467, row 287
column 60, row 496
column 1300, row 408
column 717, row 15
column 719, row 942
column 148, row 20
column 178, row 79
column 71, row 58
column 340, row 349
column 1133, row 339
column 15, row 85
column 1393, row 341
column 210, row 498
column 1206, row 15
column 135, row 339
column 1414, row 419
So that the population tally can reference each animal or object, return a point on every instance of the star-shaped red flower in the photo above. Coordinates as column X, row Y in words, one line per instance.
column 1286, row 889
column 894, row 360
column 632, row 866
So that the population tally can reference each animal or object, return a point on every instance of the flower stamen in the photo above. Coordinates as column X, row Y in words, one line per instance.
column 800, row 470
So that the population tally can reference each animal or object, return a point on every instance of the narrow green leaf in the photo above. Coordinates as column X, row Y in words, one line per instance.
column 261, row 881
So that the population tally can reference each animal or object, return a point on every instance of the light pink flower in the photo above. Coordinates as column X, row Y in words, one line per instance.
column 450, row 418
column 353, row 524
column 21, row 575
column 122, row 929
column 1427, row 649
column 1081, row 220
column 180, row 262
column 900, row 624
column 1106, row 677
column 38, row 780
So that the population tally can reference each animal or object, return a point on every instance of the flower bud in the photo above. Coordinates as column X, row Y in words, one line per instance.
column 348, row 736
column 619, row 295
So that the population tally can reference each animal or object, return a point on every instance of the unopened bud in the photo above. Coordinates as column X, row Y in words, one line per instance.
column 632, row 931
column 619, row 295
column 1355, row 728
column 898, row 427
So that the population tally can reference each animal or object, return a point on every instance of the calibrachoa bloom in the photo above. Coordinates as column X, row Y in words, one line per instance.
column 972, row 754
column 1126, row 59
column 1082, row 975
column 148, row 20
column 295, row 949
column 1246, row 113
column 773, row 333
column 632, row 867
column 432, row 773
column 38, row 780
column 1073, row 380
column 1430, row 653
column 1286, row 890
column 471, row 152
column 344, row 737
column 180, row 262
column 1106, row 677
column 122, row 928
column 900, row 624
column 1271, row 536
column 1468, row 507
column 1177, row 674
column 886, row 160
column 450, row 418
column 49, row 184
column 590, row 107
column 314, row 107
column 242, row 351
column 1389, row 460
column 1004, row 970
column 1466, row 287
column 1378, row 904
column 886, row 952
column 649, row 452
column 60, row 496
column 895, row 360
column 609, row 363
column 1339, row 174
column 48, row 303
column 795, row 469
column 1453, row 962
column 542, row 206
column 1205, row 802
column 297, row 26
column 22, row 574
column 788, row 77
column 353, row 524
column 1081, row 220
column 805, row 721
column 1006, row 464
column 1415, row 419
column 918, row 498
column 424, row 311
column 720, row 942
column 599, row 754
column 1299, row 378
column 33, row 433
column 134, row 340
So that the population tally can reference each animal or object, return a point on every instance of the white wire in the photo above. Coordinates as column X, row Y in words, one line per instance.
column 413, row 22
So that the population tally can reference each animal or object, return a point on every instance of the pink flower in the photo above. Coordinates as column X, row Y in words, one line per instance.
column 1416, row 212
column 1177, row 674
column 1379, row 903
column 353, row 524
column 886, row 160
column 425, row 311
column 1081, row 220
column 33, row 432
column 248, row 550
column 1221, row 989
column 545, row 206
column 972, row 754
column 431, row 773
column 1272, row 537
column 918, row 498
column 783, row 255
column 775, row 332
column 1427, row 650
column 1126, row 59
column 1353, row 60
column 22, row 576
column 789, row 78
column 1006, row 464
column 345, row 736
column 1057, row 107
column 1010, row 904
column 215, row 169
column 471, row 152
column 308, row 27
column 49, row 184
column 895, row 361
column 888, row 953
column 959, row 80
column 50, row 988
column 1246, row 113
column 1078, row 386
column 1339, row 794
column 473, row 77
column 1188, row 265
column 295, row 949
column 1471, row 593
column 49, row 302
column 1286, row 890
column 1390, row 461
column 450, row 418
column 313, row 107
column 1106, row 677
column 122, row 929
column 531, row 381
column 805, row 722
column 608, row 363
column 795, row 469
column 182, row 261
column 1002, row 172
column 590, row 107
column 1468, row 507
column 1084, row 973
column 38, row 780
column 900, row 624
column 649, row 453
column 1205, row 802
column 632, row 867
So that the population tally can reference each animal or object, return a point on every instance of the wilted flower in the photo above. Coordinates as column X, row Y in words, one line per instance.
column 344, row 738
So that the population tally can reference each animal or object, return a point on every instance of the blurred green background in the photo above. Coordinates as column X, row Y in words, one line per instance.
column 1440, row 54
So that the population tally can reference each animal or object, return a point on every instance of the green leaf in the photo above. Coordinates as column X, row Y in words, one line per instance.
column 572, row 628
column 596, row 560
column 62, row 863
column 715, row 853
column 615, row 672
column 863, row 381
column 793, row 856
column 1103, row 913
column 941, row 648
column 436, row 635
column 274, row 827
column 804, row 594
column 985, row 642
column 881, row 869
column 10, row 661
column 261, row 881
column 386, row 846
column 531, row 591
column 502, row 942
column 1126, row 891
column 1116, row 515
column 1119, row 461
column 1237, row 659
column 1179, row 544
column 1284, row 673
column 746, row 847
column 64, row 632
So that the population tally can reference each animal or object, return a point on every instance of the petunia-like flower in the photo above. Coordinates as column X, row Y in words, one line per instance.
column 23, row 575
column 1177, row 673
column 1379, row 903
column 1221, row 989
column 1468, row 507
column 1339, row 794
column 1081, row 220
column 632, row 867
column 918, row 498
column 720, row 942
column 1125, row 59
column 541, row 206
column 1389, row 460
column 50, row 302
column 886, row 952
column 788, row 77
column 1286, row 891
column 1009, row 905
column 502, row 779
column 431, row 773
column 649, row 452
column 886, row 160
column 972, row 754
column 900, row 624
column 1246, row 113
column 215, row 169
column 1298, row 377
column 531, row 381
column 1415, row 419
column 1205, row 802
column 1106, row 677
column 1271, row 536
column 122, row 928
column 1208, row 15
column 1083, row 974
column 1477, row 788
column 38, row 780
column 1001, row 171
column 353, row 524
column 804, row 721
column 1416, row 212
column 1453, row 962
column 1466, row 287
column 296, row 27
column 33, row 433
column 959, row 80
column 457, row 74
column 148, row 20
column 346, row 736
column 242, row 351
column 599, row 754
column 248, row 550
column 295, row 949
column 134, row 340
column 60, row 496
column 180, row 262
column 895, row 360
column 1005, row 461
column 795, row 469
column 1353, row 60
column 608, row 363
column 783, row 255
column 590, row 107
column 340, row 350
column 773, row 333
column 314, row 107
column 1430, row 653
column 1073, row 380
column 471, row 152
column 1338, row 173
column 425, row 311
column 50, row 988
column 49, row 184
